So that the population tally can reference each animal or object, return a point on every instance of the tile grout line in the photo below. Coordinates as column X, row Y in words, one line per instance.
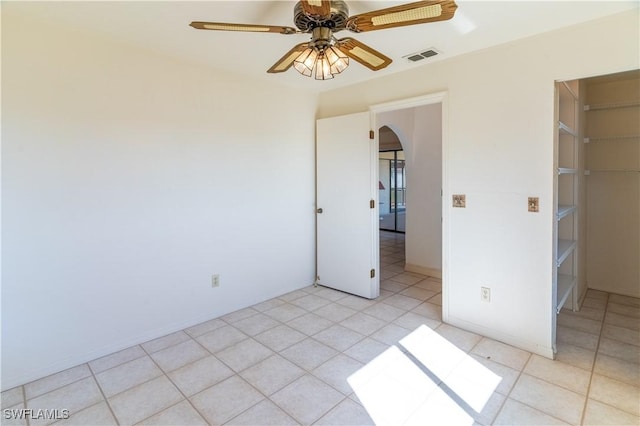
column 56, row 388
column 24, row 403
column 172, row 382
column 595, row 359
column 105, row 399
column 506, row 397
column 538, row 378
column 515, row 382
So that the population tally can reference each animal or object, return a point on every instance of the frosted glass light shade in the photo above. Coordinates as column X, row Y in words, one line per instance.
column 305, row 62
column 323, row 69
column 338, row 60
column 321, row 63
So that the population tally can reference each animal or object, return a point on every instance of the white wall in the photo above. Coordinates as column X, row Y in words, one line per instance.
column 420, row 132
column 498, row 150
column 118, row 202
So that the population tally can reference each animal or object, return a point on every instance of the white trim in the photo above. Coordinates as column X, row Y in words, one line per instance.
column 429, row 99
column 433, row 98
column 517, row 341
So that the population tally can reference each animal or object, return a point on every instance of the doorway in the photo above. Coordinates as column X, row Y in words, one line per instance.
column 410, row 179
column 348, row 245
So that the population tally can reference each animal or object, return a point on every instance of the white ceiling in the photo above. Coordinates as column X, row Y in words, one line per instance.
column 163, row 26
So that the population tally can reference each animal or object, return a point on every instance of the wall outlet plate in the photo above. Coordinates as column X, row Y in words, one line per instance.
column 459, row 200
column 485, row 294
column 534, row 204
column 215, row 280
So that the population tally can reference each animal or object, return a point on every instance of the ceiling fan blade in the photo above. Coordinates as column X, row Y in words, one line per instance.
column 286, row 61
column 407, row 14
column 225, row 26
column 362, row 53
column 319, row 8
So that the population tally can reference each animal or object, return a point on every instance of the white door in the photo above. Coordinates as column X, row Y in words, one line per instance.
column 347, row 224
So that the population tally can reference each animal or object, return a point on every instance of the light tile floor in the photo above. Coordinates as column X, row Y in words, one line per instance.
column 319, row 356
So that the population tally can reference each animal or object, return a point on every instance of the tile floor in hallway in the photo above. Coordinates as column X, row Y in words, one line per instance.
column 319, row 356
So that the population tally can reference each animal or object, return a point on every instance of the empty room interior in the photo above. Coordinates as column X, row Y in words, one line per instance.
column 423, row 213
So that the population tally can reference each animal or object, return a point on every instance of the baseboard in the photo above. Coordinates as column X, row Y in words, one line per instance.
column 508, row 339
column 432, row 272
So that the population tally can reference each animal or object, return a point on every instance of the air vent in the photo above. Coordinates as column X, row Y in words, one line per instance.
column 419, row 56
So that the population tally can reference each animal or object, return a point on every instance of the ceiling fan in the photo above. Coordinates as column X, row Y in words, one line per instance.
column 325, row 55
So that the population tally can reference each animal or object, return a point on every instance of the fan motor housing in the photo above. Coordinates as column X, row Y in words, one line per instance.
column 336, row 22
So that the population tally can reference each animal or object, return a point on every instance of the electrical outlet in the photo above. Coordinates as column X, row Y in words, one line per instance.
column 534, row 204
column 485, row 294
column 215, row 280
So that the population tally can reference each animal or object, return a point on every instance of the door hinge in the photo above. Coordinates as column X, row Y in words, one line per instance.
column 373, row 273
column 372, row 135
column 372, row 204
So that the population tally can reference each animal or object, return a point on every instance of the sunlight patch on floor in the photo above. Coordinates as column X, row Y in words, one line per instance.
column 440, row 384
column 466, row 377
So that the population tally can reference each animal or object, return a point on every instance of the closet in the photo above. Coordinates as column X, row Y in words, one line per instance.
column 597, row 188
column 612, row 182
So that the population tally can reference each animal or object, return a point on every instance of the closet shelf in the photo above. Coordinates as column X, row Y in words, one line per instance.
column 565, row 210
column 565, row 284
column 567, row 171
column 611, row 138
column 563, row 128
column 614, row 105
column 588, row 172
column 565, row 247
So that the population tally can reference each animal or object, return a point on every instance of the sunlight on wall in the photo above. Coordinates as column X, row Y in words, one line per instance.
column 433, row 382
column 463, row 24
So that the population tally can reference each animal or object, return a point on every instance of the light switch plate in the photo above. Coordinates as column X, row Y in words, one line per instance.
column 459, row 200
column 534, row 204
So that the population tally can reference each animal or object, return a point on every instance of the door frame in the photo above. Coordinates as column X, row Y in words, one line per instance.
column 429, row 99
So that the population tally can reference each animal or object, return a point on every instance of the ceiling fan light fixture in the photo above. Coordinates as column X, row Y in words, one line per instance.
column 338, row 60
column 323, row 68
column 305, row 62
column 323, row 64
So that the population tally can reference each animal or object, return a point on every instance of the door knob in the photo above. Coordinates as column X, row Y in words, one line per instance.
column 319, row 211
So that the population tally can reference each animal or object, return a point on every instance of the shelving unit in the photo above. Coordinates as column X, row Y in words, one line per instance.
column 566, row 196
column 564, row 211
column 630, row 109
